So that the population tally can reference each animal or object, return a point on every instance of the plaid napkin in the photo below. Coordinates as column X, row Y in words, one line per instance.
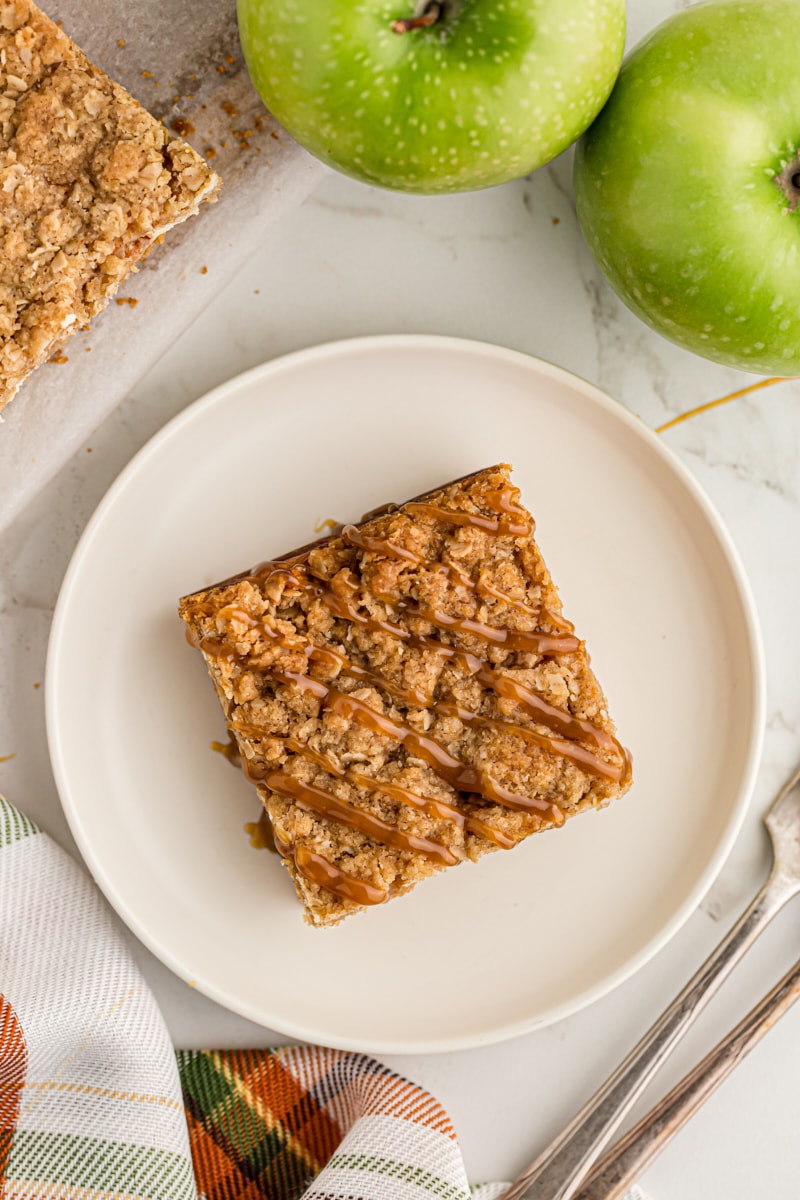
column 96, row 1105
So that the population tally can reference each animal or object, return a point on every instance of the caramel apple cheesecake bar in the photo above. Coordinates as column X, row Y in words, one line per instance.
column 89, row 181
column 406, row 694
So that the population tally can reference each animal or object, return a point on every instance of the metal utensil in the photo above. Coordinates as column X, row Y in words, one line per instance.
column 557, row 1173
column 632, row 1154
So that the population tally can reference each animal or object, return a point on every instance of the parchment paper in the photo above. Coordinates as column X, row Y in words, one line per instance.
column 182, row 60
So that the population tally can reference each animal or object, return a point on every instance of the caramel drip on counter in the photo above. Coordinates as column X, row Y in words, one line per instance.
column 324, row 874
column 703, row 408
column 326, row 804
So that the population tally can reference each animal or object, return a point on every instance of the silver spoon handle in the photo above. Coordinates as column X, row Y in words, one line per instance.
column 559, row 1171
column 632, row 1154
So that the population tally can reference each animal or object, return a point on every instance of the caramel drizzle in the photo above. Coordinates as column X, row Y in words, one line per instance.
column 324, row 874
column 431, row 806
column 313, row 867
column 502, row 526
column 411, row 696
column 510, row 639
column 504, row 501
column 354, row 537
column 567, row 749
column 564, row 724
column 321, row 654
column 460, row 776
column 530, row 641
column 434, row 808
column 326, row 804
column 543, row 614
column 527, row 700
column 568, row 726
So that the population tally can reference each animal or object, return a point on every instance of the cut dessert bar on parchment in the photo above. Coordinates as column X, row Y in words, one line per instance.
column 88, row 182
column 406, row 694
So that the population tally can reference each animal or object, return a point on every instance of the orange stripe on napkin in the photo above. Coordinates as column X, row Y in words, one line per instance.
column 13, row 1066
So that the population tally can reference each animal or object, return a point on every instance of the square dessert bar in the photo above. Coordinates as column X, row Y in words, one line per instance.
column 88, row 182
column 406, row 695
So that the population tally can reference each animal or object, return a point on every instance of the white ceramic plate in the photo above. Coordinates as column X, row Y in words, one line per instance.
column 645, row 570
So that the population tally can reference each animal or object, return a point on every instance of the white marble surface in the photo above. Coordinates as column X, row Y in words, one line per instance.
column 494, row 266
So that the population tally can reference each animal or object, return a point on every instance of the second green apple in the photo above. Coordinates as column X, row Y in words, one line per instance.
column 688, row 183
column 441, row 96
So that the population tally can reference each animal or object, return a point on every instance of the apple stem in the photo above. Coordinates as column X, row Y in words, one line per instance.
column 427, row 14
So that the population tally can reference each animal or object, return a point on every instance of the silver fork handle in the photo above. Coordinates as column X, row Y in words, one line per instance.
column 557, row 1174
column 633, row 1154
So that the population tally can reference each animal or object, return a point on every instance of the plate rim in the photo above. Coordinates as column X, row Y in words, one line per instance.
column 409, row 342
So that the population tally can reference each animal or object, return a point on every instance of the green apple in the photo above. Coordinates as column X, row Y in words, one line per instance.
column 446, row 96
column 687, row 184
